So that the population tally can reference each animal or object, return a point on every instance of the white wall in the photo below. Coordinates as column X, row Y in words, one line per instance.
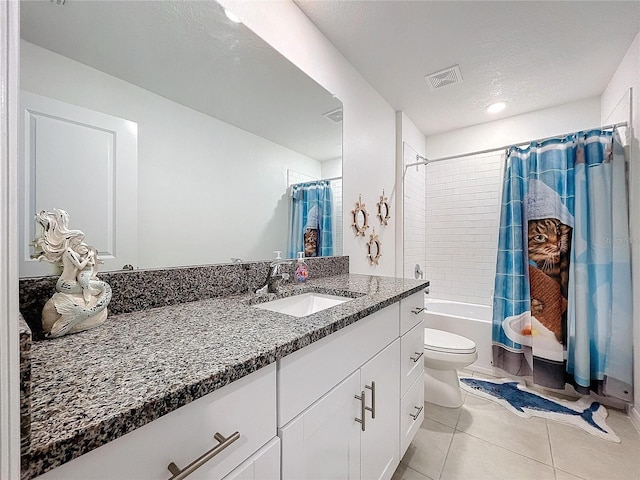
column 567, row 118
column 411, row 244
column 368, row 125
column 212, row 189
column 332, row 168
column 462, row 219
column 615, row 108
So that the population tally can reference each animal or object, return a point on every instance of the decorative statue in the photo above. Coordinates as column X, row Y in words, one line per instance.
column 81, row 299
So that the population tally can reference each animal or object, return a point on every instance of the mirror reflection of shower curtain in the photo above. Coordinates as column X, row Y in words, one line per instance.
column 563, row 305
column 311, row 228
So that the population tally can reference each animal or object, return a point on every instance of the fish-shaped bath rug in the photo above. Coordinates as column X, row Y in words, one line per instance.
column 517, row 398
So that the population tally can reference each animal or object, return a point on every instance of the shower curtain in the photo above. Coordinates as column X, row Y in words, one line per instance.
column 562, row 308
column 311, row 227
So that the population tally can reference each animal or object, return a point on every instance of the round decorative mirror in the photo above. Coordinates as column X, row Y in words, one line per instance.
column 374, row 248
column 360, row 217
column 384, row 209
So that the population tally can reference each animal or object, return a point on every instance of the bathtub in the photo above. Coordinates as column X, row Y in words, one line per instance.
column 466, row 319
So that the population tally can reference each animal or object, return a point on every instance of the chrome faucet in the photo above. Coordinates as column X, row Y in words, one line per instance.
column 274, row 277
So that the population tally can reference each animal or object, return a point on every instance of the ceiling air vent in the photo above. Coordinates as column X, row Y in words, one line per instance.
column 444, row 78
column 334, row 115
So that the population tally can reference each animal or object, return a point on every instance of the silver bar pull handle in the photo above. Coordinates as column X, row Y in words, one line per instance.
column 418, row 357
column 417, row 414
column 418, row 310
column 372, row 409
column 363, row 408
column 179, row 474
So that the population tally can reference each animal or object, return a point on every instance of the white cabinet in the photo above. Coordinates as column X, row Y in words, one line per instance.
column 381, row 384
column 185, row 434
column 412, row 368
column 306, row 375
column 323, row 430
column 323, row 442
column 344, row 437
column 262, row 465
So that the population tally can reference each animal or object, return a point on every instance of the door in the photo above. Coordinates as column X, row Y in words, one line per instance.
column 86, row 163
column 323, row 442
column 380, row 379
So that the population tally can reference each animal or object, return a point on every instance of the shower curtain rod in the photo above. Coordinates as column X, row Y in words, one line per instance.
column 314, row 181
column 420, row 160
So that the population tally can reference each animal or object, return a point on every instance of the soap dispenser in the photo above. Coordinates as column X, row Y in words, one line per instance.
column 302, row 270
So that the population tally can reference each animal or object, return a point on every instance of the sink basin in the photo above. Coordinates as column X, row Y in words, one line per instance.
column 304, row 304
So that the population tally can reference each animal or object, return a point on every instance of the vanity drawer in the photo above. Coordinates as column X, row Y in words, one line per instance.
column 411, row 413
column 246, row 406
column 411, row 311
column 306, row 375
column 412, row 356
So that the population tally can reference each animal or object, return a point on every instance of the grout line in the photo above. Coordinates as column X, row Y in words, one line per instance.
column 507, row 449
column 419, row 473
column 568, row 473
column 446, row 457
column 553, row 462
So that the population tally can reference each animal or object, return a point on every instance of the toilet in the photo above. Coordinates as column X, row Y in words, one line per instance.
column 444, row 353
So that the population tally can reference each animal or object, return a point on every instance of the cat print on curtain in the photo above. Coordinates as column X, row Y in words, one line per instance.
column 548, row 246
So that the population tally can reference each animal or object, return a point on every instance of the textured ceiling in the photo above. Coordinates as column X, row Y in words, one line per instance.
column 531, row 54
column 189, row 52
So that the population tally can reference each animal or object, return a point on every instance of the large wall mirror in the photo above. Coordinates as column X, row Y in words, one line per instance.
column 171, row 135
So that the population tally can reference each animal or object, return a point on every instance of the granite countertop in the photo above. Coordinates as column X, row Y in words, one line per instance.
column 92, row 387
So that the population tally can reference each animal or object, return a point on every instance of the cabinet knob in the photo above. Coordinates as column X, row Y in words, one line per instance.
column 418, row 310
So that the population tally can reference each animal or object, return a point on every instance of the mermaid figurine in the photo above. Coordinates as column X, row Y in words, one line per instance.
column 81, row 299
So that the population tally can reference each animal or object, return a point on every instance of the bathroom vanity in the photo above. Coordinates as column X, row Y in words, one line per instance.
column 273, row 395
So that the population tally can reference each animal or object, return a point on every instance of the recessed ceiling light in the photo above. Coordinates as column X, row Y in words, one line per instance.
column 496, row 107
column 232, row 16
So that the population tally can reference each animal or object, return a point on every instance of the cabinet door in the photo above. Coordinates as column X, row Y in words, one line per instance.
column 323, row 442
column 380, row 440
column 262, row 465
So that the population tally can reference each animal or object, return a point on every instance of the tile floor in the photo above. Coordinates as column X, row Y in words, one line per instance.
column 482, row 440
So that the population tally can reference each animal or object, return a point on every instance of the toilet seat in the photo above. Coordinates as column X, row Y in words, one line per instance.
column 447, row 342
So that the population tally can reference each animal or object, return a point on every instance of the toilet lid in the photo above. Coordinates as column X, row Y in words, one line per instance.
column 441, row 341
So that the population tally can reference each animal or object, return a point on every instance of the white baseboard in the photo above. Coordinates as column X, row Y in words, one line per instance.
column 634, row 415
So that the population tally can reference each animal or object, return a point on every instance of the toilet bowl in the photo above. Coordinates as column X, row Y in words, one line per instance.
column 444, row 353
